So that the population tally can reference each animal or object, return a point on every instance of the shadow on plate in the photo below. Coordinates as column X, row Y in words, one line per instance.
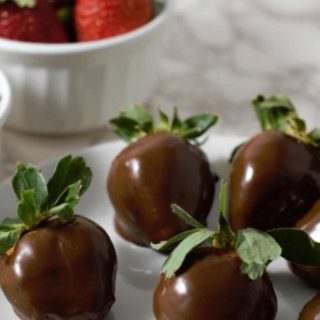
column 139, row 266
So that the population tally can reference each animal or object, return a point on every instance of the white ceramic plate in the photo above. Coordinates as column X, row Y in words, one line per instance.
column 139, row 267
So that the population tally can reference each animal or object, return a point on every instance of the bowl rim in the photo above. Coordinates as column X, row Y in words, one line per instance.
column 5, row 98
column 15, row 46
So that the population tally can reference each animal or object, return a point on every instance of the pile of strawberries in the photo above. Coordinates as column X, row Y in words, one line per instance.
column 61, row 21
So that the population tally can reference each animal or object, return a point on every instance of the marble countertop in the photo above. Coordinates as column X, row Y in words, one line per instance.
column 217, row 56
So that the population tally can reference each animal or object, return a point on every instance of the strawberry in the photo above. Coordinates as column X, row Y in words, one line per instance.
column 99, row 19
column 161, row 165
column 36, row 22
column 275, row 176
column 222, row 274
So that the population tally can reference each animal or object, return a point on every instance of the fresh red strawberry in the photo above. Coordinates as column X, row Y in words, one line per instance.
column 99, row 19
column 38, row 23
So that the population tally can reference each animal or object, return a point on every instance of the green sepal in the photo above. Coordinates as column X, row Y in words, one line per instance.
column 194, row 127
column 256, row 249
column 164, row 121
column 28, row 177
column 136, row 122
column 9, row 236
column 297, row 246
column 225, row 238
column 186, row 217
column 133, row 123
column 71, row 197
column 176, row 121
column 278, row 112
column 39, row 202
column 27, row 208
column 314, row 135
column 178, row 255
column 66, row 214
column 168, row 243
column 69, row 171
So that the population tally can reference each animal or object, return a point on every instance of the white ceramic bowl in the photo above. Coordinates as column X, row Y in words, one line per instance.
column 5, row 98
column 72, row 88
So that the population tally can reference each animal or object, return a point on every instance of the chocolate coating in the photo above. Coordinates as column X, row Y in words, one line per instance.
column 61, row 272
column 275, row 180
column 151, row 174
column 211, row 286
column 311, row 311
column 310, row 223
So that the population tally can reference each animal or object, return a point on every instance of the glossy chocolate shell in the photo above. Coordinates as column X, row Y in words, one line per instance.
column 275, row 180
column 151, row 174
column 310, row 223
column 61, row 272
column 311, row 311
column 211, row 286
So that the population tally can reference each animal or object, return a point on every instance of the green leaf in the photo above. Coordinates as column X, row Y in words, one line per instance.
column 71, row 197
column 28, row 177
column 223, row 192
column 297, row 246
column 69, row 171
column 136, row 122
column 178, row 255
column 196, row 126
column 315, row 136
column 277, row 112
column 253, row 270
column 176, row 122
column 164, row 122
column 9, row 236
column 186, row 217
column 126, row 129
column 66, row 214
column 137, row 113
column 179, row 237
column 27, row 208
column 225, row 237
column 133, row 123
column 256, row 249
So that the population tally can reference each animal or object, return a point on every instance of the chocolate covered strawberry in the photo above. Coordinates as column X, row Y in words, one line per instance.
column 275, row 176
column 311, row 311
column 222, row 274
column 161, row 165
column 31, row 21
column 309, row 223
column 53, row 263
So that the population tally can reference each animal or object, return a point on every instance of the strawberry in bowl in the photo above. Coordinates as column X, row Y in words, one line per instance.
column 32, row 21
column 99, row 19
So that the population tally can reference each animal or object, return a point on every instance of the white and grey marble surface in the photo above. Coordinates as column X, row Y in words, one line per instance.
column 217, row 56
column 222, row 53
